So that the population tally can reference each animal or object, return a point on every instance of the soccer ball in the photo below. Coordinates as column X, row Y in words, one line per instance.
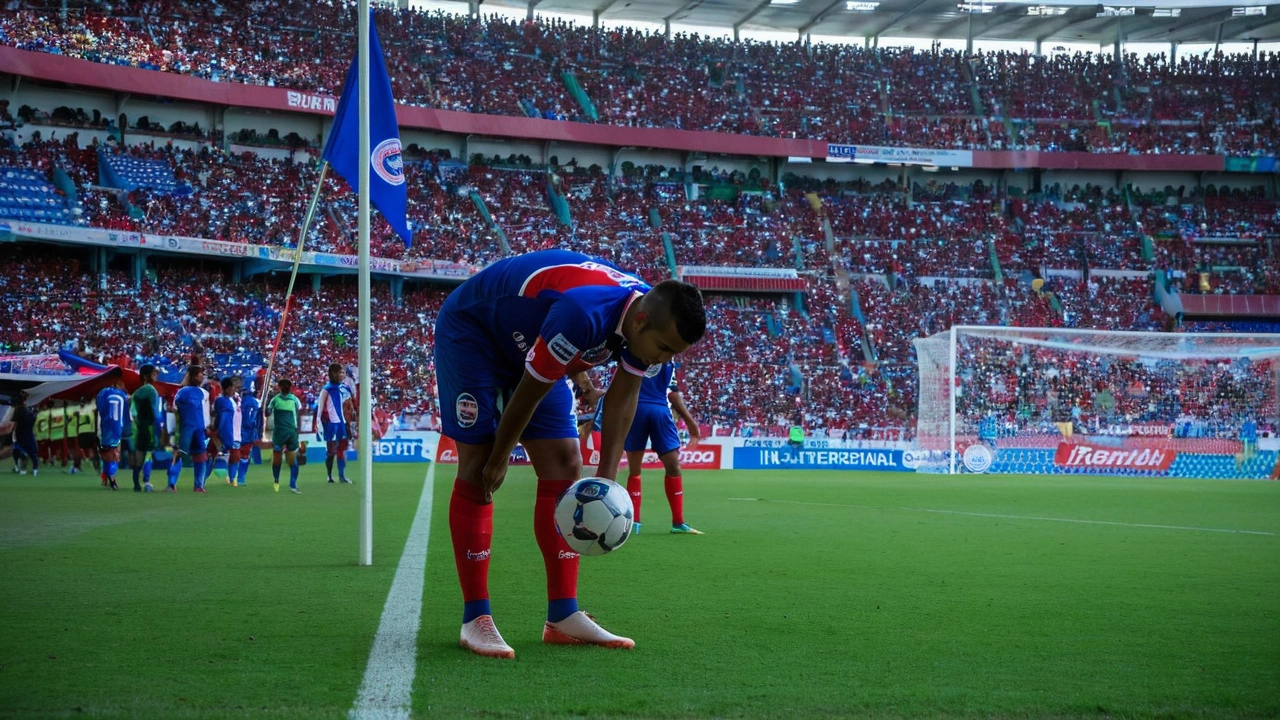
column 594, row 516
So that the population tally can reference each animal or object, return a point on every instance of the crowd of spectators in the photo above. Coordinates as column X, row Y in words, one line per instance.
column 841, row 93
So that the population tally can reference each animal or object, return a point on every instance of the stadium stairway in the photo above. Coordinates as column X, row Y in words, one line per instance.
column 669, row 251
column 478, row 201
column 995, row 261
column 129, row 173
column 26, row 195
column 579, row 94
column 559, row 205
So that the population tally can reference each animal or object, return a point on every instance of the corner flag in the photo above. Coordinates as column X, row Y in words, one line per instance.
column 387, row 184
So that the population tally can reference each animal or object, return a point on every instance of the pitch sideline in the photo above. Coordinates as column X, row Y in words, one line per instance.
column 386, row 693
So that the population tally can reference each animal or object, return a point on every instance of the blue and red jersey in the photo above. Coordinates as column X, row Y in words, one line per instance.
column 553, row 312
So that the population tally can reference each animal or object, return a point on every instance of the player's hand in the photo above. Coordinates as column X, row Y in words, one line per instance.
column 491, row 478
column 693, row 441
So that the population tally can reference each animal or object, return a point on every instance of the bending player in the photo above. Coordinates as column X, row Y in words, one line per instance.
column 334, row 406
column 659, row 396
column 505, row 341
column 113, row 420
column 283, row 409
column 148, row 428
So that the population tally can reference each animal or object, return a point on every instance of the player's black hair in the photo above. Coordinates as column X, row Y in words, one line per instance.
column 681, row 303
column 285, row 385
column 147, row 371
column 226, row 383
column 335, row 367
column 193, row 370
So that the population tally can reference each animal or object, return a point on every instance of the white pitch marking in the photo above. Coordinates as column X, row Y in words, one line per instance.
column 386, row 692
column 1017, row 517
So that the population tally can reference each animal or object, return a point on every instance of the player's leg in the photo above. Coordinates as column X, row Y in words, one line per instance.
column 634, row 445
column 330, row 447
column 291, row 457
column 110, row 464
column 198, row 451
column 552, row 443
column 635, row 460
column 666, row 442
column 341, row 456
column 247, row 450
column 276, row 459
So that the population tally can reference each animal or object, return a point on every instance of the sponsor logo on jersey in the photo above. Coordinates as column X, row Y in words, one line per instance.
column 561, row 349
column 466, row 410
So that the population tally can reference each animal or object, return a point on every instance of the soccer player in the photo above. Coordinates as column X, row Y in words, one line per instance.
column 334, row 406
column 113, row 422
column 659, row 395
column 24, row 436
column 148, row 427
column 250, row 432
column 227, row 423
column 505, row 341
column 190, row 404
column 283, row 409
column 1248, row 442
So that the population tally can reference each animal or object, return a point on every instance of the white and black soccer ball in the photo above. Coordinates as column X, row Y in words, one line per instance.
column 594, row 516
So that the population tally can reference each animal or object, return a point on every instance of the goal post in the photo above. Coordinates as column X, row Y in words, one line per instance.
column 1053, row 400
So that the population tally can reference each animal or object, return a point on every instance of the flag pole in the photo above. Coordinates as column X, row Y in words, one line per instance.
column 288, row 295
column 365, row 426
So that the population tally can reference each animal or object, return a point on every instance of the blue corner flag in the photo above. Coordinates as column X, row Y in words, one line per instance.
column 388, row 190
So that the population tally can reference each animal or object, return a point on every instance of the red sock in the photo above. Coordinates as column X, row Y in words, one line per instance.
column 633, row 488
column 674, row 486
column 471, row 526
column 561, row 562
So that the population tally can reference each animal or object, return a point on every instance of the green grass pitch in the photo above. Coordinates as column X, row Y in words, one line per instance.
column 827, row 595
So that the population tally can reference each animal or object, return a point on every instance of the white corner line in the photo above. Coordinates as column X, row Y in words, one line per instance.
column 386, row 693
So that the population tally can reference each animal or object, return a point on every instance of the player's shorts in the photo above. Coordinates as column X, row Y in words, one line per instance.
column 284, row 441
column 88, row 441
column 334, row 432
column 472, row 393
column 228, row 443
column 110, row 439
column 652, row 422
column 144, row 439
column 192, row 441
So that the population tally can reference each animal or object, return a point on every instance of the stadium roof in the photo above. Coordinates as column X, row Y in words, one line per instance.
column 1070, row 21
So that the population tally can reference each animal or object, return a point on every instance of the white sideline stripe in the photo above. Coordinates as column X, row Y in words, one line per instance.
column 387, row 689
column 1017, row 517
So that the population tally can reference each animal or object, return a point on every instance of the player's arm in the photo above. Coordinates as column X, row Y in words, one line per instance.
column 677, row 404
column 320, row 401
column 515, row 418
column 590, row 393
column 619, row 411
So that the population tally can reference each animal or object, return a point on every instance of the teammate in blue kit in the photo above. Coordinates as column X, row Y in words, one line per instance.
column 506, row 339
column 333, row 408
column 25, row 447
column 227, row 421
column 251, row 425
column 113, row 425
column 190, row 404
column 659, row 396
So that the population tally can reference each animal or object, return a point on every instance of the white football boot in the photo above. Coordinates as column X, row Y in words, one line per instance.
column 481, row 637
column 580, row 629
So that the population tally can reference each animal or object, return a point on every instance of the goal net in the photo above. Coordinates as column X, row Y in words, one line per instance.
column 1043, row 400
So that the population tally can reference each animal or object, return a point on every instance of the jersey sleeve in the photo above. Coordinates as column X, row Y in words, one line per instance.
column 631, row 364
column 567, row 330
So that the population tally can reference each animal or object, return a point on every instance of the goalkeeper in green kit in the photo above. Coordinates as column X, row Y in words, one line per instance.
column 283, row 408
